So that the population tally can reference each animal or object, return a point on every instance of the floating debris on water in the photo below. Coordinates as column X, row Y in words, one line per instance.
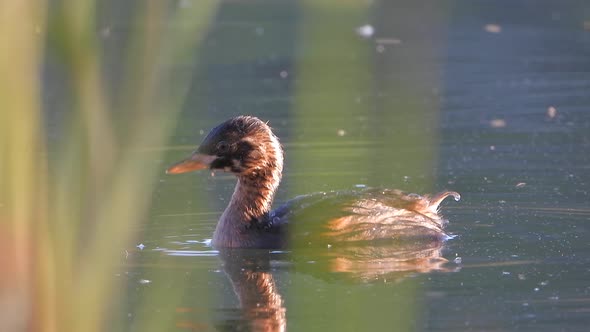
column 105, row 32
column 184, row 4
column 360, row 185
column 498, row 123
column 458, row 260
column 520, row 184
column 551, row 112
column 493, row 28
column 191, row 253
column 284, row 74
column 144, row 281
column 140, row 246
column 365, row 31
column 388, row 41
column 341, row 132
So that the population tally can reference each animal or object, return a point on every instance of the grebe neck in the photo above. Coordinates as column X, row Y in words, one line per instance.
column 251, row 200
column 249, row 206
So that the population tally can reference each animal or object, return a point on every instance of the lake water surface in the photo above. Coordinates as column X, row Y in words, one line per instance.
column 487, row 98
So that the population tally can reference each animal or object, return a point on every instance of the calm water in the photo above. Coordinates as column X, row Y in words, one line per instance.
column 491, row 99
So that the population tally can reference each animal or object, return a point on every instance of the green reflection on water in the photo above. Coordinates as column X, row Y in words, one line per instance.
column 355, row 122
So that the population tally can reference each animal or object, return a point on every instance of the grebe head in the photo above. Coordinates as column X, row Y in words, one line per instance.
column 244, row 145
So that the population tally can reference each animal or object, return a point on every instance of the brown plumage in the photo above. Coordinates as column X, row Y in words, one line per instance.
column 247, row 147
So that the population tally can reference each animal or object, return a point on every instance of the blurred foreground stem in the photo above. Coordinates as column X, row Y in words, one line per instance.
column 64, row 234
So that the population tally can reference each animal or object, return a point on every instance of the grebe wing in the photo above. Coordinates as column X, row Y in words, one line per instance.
column 363, row 215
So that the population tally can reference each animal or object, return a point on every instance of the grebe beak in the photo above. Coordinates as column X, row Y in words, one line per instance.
column 194, row 163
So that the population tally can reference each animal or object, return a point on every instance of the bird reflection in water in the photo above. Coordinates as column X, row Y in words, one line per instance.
column 261, row 303
column 262, row 307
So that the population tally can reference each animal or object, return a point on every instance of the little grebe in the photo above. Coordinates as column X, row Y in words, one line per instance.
column 247, row 147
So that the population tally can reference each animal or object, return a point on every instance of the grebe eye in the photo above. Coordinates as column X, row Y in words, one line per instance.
column 222, row 146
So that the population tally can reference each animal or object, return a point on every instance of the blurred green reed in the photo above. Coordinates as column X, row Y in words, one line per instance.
column 66, row 218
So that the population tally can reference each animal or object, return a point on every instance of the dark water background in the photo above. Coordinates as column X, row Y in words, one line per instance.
column 488, row 98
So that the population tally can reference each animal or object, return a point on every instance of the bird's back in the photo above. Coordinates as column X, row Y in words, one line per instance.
column 362, row 215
